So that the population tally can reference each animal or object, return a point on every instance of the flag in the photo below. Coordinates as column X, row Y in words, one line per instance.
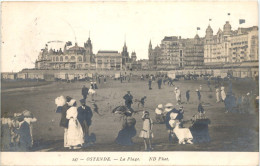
column 241, row 21
column 228, row 14
column 198, row 28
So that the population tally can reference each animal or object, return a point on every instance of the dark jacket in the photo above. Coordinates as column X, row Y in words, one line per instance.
column 84, row 115
column 64, row 122
column 84, row 91
column 24, row 134
column 128, row 99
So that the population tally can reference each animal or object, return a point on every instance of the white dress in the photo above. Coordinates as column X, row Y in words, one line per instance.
column 146, row 132
column 74, row 132
column 223, row 95
column 217, row 95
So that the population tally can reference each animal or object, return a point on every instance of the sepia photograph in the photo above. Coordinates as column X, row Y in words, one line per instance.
column 127, row 82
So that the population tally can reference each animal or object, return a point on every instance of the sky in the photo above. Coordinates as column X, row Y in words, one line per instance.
column 28, row 26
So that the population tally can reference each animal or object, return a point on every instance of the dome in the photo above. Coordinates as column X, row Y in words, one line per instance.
column 227, row 28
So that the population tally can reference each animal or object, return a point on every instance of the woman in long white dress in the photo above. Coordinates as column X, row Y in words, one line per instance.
column 223, row 93
column 75, row 132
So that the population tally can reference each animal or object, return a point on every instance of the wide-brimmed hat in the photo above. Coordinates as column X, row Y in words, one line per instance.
column 68, row 98
column 19, row 116
column 146, row 113
column 160, row 106
column 169, row 105
column 72, row 102
column 176, row 88
column 222, row 88
column 196, row 90
column 27, row 114
column 248, row 94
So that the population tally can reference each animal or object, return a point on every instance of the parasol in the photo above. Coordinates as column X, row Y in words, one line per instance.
column 122, row 110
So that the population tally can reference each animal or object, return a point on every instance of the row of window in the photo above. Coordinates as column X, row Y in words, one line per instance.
column 57, row 59
column 239, row 43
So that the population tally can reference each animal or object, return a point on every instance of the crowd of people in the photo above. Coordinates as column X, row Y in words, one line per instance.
column 16, row 131
column 77, row 119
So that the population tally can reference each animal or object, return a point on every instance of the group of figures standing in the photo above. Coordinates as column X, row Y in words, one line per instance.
column 16, row 131
column 75, row 121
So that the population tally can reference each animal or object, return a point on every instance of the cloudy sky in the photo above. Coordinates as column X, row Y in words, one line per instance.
column 28, row 26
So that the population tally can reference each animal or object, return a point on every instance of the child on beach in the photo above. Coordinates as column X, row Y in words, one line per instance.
column 146, row 132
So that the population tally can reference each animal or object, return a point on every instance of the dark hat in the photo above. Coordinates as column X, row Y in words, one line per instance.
column 68, row 98
column 146, row 112
column 82, row 101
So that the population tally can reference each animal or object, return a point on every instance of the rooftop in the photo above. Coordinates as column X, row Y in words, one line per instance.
column 107, row 51
column 170, row 38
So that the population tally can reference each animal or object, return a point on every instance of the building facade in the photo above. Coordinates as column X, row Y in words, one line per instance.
column 244, row 45
column 176, row 53
column 109, row 60
column 193, row 52
column 230, row 46
column 74, row 57
column 153, row 55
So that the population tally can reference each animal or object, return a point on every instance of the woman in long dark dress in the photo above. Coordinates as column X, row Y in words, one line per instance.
column 128, row 130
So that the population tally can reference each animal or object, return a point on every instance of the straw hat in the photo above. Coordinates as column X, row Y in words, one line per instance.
column 27, row 114
column 169, row 105
column 160, row 106
column 72, row 101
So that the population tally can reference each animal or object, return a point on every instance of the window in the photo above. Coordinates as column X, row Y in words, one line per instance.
column 61, row 58
column 80, row 59
column 66, row 57
column 99, row 61
column 57, row 58
column 73, row 58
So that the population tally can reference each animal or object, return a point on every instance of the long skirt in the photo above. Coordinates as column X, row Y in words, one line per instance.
column 65, row 137
column 74, row 133
column 125, row 136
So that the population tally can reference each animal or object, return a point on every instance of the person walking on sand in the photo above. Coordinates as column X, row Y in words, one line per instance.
column 84, row 92
column 75, row 133
column 199, row 95
column 178, row 95
column 64, row 121
column 150, row 84
column 146, row 132
column 223, row 94
column 217, row 95
column 188, row 96
column 92, row 92
column 128, row 99
column 84, row 117
column 29, row 118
